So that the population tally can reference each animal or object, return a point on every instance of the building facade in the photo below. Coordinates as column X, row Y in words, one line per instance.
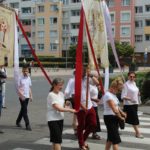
column 52, row 25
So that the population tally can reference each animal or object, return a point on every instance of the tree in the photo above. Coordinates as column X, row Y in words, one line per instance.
column 124, row 51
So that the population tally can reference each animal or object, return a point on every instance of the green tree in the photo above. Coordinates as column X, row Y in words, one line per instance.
column 124, row 51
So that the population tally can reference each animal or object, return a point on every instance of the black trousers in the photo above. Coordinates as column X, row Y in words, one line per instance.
column 98, row 127
column 23, row 112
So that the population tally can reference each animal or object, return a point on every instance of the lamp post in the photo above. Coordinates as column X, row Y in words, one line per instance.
column 145, row 56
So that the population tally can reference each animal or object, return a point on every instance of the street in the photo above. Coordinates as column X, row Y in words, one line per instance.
column 38, row 139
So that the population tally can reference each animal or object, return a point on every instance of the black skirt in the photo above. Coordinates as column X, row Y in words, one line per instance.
column 56, row 128
column 132, row 114
column 112, row 126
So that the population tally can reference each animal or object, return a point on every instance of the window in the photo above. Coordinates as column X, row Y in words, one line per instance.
column 40, row 34
column 147, row 37
column 53, row 33
column 110, row 3
column 74, row 39
column 26, row 22
column 138, row 38
column 54, row 8
column 147, row 22
column 112, row 16
column 125, row 2
column 14, row 5
column 138, row 23
column 28, row 34
column 125, row 31
column 113, row 31
column 138, row 9
column 41, row 21
column 75, row 26
column 125, row 16
column 65, row 40
column 147, row 8
column 65, row 2
column 26, row 10
column 40, row 8
column 75, row 13
column 33, row 22
column 53, row 20
column 40, row 47
column 65, row 14
column 53, row 46
column 75, row 1
column 65, row 27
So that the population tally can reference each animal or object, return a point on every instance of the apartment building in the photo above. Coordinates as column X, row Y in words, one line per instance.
column 142, row 28
column 42, row 22
column 122, row 18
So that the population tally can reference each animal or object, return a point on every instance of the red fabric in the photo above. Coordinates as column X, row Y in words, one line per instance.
column 86, row 124
column 93, row 54
column 78, row 73
column 32, row 50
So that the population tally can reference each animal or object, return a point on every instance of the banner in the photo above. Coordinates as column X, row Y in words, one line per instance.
column 6, row 36
column 96, row 24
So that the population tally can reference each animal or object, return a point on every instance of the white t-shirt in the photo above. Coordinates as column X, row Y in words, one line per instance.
column 24, row 85
column 52, row 113
column 130, row 90
column 70, row 88
column 83, row 94
column 94, row 94
column 107, row 97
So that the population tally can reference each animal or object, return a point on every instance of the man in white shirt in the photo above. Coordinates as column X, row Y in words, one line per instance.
column 25, row 94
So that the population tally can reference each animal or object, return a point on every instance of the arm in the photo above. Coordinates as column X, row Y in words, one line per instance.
column 114, row 109
column 62, row 109
column 95, row 100
column 124, row 93
column 30, row 92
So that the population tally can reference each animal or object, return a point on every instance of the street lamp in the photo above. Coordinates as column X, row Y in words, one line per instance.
column 145, row 56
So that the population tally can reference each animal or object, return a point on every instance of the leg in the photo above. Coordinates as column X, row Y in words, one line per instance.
column 90, row 123
column 81, row 126
column 74, row 123
column 25, row 111
column 115, row 147
column 108, row 145
column 3, row 94
column 56, row 146
column 19, row 118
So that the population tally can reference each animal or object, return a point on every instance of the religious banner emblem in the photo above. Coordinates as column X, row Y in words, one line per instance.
column 7, row 36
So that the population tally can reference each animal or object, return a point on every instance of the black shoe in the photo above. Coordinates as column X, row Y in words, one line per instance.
column 28, row 128
column 19, row 125
column 1, row 132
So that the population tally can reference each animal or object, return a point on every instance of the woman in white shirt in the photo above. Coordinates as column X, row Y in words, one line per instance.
column 130, row 94
column 55, row 115
column 112, row 113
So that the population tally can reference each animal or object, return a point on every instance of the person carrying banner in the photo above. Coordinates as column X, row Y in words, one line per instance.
column 55, row 112
column 25, row 94
column 86, row 116
column 69, row 94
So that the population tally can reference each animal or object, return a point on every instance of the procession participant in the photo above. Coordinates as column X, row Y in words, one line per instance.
column 112, row 114
column 55, row 115
column 130, row 94
column 69, row 94
column 25, row 94
column 86, row 116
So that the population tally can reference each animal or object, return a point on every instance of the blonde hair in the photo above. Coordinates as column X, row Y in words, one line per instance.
column 116, row 82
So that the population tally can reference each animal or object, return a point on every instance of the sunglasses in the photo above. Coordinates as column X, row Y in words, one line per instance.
column 132, row 76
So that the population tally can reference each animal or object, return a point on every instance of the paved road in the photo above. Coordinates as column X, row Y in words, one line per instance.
column 38, row 139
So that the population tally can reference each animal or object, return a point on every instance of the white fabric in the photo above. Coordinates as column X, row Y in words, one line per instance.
column 96, row 24
column 24, row 85
column 94, row 94
column 16, row 56
column 3, row 94
column 52, row 113
column 130, row 90
column 108, row 96
column 70, row 88
column 83, row 94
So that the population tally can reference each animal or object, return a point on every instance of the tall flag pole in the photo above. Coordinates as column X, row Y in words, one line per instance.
column 79, row 63
column 32, row 50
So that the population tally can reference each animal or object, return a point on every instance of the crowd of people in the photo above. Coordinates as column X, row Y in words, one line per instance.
column 86, row 119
